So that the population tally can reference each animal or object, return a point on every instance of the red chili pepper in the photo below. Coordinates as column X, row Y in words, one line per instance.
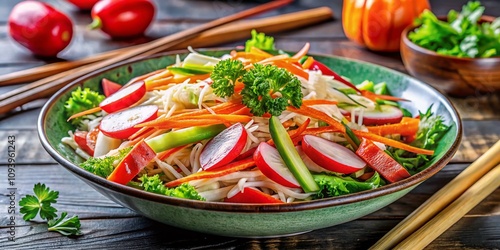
column 122, row 18
column 39, row 27
column 83, row 4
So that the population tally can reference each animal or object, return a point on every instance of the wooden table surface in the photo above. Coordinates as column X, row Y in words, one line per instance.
column 106, row 225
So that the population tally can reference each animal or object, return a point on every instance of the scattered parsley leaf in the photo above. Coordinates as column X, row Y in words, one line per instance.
column 41, row 203
column 65, row 226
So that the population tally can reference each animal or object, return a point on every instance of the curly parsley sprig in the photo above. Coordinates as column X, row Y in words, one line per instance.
column 41, row 204
column 268, row 89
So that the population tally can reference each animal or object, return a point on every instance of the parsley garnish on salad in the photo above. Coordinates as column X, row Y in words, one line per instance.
column 41, row 204
column 268, row 89
column 461, row 35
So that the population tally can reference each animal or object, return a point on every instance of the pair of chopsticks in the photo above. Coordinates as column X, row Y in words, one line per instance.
column 446, row 206
column 219, row 31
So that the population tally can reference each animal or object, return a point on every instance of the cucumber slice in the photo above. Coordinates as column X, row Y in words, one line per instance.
column 183, row 137
column 290, row 156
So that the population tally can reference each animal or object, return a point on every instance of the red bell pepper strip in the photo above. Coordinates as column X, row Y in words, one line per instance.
column 381, row 162
column 254, row 196
column 327, row 71
column 140, row 155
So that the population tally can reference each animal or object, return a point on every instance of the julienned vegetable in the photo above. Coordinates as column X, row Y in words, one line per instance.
column 461, row 35
column 39, row 27
column 290, row 156
column 235, row 135
column 123, row 18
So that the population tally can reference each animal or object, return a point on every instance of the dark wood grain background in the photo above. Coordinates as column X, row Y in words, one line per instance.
column 106, row 225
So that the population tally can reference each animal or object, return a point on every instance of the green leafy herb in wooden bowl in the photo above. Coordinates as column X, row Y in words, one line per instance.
column 461, row 35
column 458, row 54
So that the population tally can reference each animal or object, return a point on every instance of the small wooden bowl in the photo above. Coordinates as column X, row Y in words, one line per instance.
column 452, row 75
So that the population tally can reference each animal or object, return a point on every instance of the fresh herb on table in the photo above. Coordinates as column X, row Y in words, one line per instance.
column 41, row 204
column 460, row 35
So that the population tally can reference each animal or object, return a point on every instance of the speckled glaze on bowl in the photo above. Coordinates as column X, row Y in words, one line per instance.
column 247, row 220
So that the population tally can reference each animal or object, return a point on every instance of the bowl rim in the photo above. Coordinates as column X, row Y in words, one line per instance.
column 246, row 208
column 415, row 47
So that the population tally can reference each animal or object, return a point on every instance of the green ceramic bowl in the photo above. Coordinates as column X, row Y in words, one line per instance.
column 241, row 220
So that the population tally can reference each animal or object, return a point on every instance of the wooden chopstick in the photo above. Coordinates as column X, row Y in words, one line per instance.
column 442, row 198
column 453, row 212
column 42, row 88
column 226, row 33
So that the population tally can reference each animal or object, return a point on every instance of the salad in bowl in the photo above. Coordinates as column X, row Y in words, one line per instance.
column 243, row 142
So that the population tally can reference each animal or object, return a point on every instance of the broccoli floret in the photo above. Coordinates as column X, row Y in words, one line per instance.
column 81, row 100
column 260, row 41
column 104, row 166
column 155, row 185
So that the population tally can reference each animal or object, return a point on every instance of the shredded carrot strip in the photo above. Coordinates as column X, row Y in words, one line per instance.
column 302, row 52
column 407, row 126
column 165, row 73
column 222, row 117
column 372, row 96
column 139, row 132
column 86, row 112
column 307, row 64
column 142, row 77
column 188, row 123
column 338, row 127
column 221, row 171
column 226, row 107
column 292, row 68
column 311, row 102
column 165, row 154
column 393, row 143
column 259, row 52
column 152, row 84
column 314, row 113
column 142, row 136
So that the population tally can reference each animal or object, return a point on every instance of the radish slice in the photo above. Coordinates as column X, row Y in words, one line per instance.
column 268, row 160
column 109, row 87
column 121, row 125
column 331, row 155
column 224, row 147
column 310, row 164
column 386, row 114
column 124, row 97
